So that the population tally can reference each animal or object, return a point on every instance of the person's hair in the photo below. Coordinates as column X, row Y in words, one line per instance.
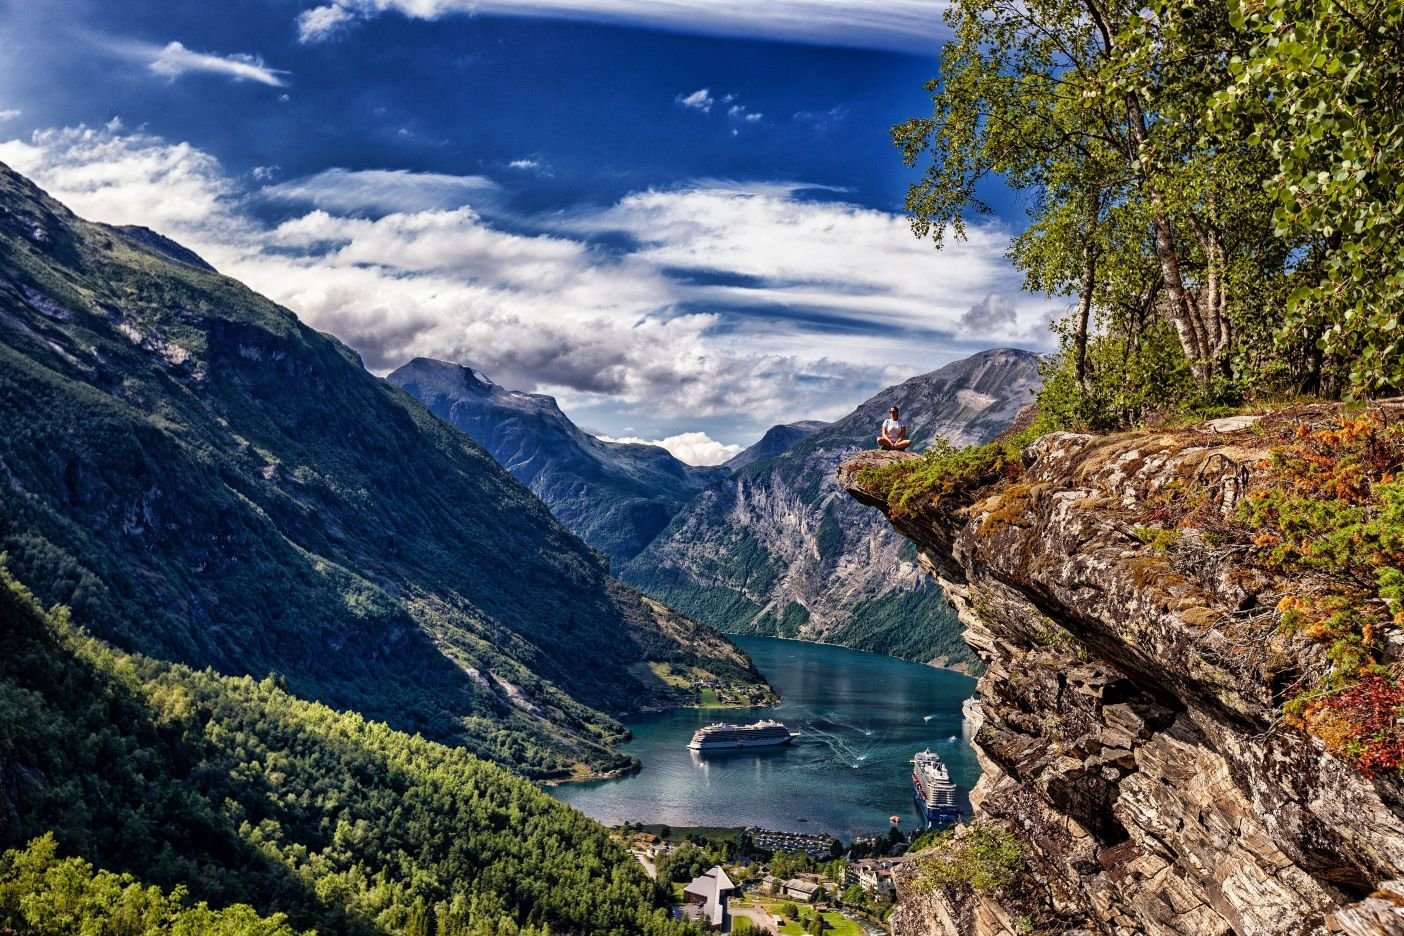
column 895, row 410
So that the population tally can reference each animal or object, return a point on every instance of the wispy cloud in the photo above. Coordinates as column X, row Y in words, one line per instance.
column 898, row 25
column 381, row 191
column 174, row 60
column 9, row 114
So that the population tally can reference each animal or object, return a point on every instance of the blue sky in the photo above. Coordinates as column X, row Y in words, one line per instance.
column 684, row 219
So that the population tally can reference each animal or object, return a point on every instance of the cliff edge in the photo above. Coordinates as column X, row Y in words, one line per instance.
column 1134, row 742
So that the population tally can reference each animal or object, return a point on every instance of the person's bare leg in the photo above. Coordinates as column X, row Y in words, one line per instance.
column 883, row 443
column 901, row 444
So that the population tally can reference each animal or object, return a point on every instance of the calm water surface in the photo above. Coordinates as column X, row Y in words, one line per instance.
column 861, row 716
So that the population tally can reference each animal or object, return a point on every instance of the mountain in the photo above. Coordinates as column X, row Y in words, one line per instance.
column 779, row 549
column 615, row 496
column 257, row 802
column 204, row 479
column 776, row 440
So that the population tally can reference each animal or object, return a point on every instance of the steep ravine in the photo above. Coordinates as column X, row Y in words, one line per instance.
column 1132, row 739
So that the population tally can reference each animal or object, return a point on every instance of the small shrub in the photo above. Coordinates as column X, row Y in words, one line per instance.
column 987, row 859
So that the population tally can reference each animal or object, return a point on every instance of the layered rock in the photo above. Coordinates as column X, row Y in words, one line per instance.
column 1132, row 740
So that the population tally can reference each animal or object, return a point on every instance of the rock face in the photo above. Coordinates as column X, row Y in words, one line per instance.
column 778, row 548
column 1131, row 738
column 615, row 496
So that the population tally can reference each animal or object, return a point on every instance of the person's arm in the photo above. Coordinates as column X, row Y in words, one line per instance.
column 882, row 435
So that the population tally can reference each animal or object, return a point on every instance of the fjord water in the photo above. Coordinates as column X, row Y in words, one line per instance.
column 861, row 716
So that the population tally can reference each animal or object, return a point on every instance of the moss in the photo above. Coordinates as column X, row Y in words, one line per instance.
column 1161, row 541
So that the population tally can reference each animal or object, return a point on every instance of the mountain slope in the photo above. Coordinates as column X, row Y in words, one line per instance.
column 776, row 440
column 212, row 482
column 615, row 496
column 242, row 794
column 779, row 549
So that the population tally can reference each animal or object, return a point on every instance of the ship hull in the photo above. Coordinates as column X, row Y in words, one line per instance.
column 940, row 815
column 738, row 744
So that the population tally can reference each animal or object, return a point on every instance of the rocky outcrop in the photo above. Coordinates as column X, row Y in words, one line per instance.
column 1132, row 737
column 778, row 549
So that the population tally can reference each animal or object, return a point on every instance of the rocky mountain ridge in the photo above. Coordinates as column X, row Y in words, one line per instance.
column 614, row 495
column 778, row 549
column 1132, row 741
column 776, row 441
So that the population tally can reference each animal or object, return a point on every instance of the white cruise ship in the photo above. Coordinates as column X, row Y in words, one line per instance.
column 724, row 736
column 935, row 792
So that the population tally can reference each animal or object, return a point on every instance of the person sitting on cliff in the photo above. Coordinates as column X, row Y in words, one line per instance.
column 894, row 432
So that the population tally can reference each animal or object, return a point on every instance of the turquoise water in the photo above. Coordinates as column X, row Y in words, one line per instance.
column 861, row 716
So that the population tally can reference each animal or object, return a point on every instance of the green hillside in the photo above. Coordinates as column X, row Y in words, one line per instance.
column 204, row 479
column 235, row 791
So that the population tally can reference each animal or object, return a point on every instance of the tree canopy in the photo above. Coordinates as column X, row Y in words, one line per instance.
column 1212, row 180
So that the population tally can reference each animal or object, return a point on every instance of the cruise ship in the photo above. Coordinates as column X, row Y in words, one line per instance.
column 724, row 736
column 934, row 790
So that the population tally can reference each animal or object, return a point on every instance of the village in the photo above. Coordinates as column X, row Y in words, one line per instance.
column 756, row 880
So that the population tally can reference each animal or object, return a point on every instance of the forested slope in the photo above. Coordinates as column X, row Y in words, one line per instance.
column 242, row 793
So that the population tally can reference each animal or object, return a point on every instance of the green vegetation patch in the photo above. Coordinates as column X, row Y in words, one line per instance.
column 44, row 895
column 236, row 792
column 1328, row 514
column 944, row 470
column 986, row 858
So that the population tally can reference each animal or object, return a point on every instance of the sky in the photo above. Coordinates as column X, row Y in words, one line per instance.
column 682, row 219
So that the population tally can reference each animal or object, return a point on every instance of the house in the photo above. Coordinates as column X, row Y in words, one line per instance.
column 874, row 875
column 801, row 890
column 708, row 893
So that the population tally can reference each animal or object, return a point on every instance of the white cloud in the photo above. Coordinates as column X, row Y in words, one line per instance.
column 695, row 448
column 898, row 25
column 788, row 308
column 174, row 59
column 526, row 165
column 9, row 114
column 838, row 261
column 381, row 190
column 700, row 99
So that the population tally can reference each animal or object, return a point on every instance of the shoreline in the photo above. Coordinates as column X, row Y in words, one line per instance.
column 946, row 667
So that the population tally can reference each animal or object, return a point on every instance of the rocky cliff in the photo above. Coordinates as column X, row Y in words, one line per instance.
column 778, row 549
column 1134, row 745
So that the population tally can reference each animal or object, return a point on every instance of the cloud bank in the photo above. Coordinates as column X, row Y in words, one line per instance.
column 695, row 448
column 743, row 304
column 895, row 25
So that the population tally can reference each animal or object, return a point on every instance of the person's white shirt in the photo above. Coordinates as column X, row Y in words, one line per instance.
column 890, row 427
